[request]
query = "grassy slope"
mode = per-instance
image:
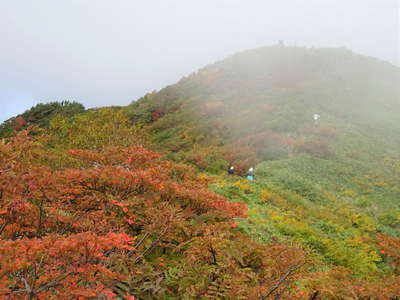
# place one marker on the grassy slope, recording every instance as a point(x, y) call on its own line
point(333, 204)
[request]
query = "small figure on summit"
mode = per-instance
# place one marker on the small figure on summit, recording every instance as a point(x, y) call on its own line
point(231, 170)
point(250, 174)
point(316, 118)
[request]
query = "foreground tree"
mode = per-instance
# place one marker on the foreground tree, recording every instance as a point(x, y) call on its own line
point(126, 223)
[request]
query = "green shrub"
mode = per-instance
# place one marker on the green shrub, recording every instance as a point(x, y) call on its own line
point(42, 113)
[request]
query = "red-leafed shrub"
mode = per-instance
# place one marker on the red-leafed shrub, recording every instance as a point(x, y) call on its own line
point(129, 223)
point(390, 247)
point(254, 148)
point(317, 148)
point(158, 112)
point(268, 108)
point(214, 108)
point(19, 123)
point(323, 132)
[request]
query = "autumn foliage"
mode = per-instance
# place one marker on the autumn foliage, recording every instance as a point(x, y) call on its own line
point(317, 148)
point(88, 211)
point(126, 224)
point(390, 248)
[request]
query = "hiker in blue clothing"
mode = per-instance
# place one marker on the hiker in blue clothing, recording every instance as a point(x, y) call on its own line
point(250, 174)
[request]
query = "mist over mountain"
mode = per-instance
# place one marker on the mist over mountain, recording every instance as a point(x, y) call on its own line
point(319, 218)
point(114, 53)
point(279, 89)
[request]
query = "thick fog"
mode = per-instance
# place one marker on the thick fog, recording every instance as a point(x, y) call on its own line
point(112, 52)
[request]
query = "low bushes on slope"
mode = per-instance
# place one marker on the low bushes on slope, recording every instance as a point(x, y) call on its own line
point(127, 224)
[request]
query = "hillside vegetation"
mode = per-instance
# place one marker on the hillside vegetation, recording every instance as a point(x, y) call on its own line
point(142, 190)
point(40, 115)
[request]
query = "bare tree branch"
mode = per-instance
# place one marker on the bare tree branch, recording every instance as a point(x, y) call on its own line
point(281, 281)
point(151, 247)
point(3, 226)
point(52, 283)
point(31, 293)
point(314, 296)
point(214, 255)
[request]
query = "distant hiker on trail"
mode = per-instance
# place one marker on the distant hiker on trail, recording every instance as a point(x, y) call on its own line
point(231, 170)
point(250, 174)
point(316, 118)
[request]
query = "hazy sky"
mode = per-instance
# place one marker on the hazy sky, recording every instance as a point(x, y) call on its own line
point(102, 52)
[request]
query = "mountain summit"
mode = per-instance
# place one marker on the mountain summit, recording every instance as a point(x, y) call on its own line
point(272, 93)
